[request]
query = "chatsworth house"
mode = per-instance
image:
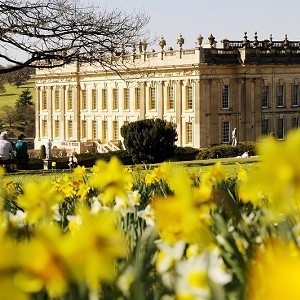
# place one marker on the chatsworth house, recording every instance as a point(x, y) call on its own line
point(252, 85)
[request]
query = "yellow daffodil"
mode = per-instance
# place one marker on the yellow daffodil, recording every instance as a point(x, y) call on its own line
point(111, 179)
point(39, 200)
point(43, 263)
point(274, 272)
point(93, 249)
point(278, 177)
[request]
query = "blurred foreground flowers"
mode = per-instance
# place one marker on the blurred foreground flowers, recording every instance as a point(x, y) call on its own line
point(162, 233)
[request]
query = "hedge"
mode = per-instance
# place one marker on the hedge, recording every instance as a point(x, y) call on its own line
point(223, 151)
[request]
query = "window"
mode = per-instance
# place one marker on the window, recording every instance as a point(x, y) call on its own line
point(295, 95)
point(115, 130)
point(265, 96)
point(56, 129)
point(44, 128)
point(265, 127)
point(115, 103)
point(295, 122)
point(189, 132)
point(44, 99)
point(280, 95)
point(94, 99)
point(83, 100)
point(171, 102)
point(280, 129)
point(137, 98)
point(56, 99)
point(70, 129)
point(152, 103)
point(83, 129)
point(225, 97)
point(225, 132)
point(104, 99)
point(94, 129)
point(104, 131)
point(126, 99)
point(189, 97)
point(70, 99)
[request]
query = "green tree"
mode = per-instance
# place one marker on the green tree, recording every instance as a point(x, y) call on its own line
point(25, 99)
point(25, 108)
point(149, 140)
point(8, 115)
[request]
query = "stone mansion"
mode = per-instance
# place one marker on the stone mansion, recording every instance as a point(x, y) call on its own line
point(251, 85)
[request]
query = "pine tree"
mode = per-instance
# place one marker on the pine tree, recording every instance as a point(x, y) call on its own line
point(25, 108)
point(25, 99)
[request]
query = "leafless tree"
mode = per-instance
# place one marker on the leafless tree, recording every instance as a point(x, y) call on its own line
point(51, 33)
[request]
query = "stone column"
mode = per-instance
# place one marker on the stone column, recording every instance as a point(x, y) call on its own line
point(160, 99)
point(142, 87)
point(50, 113)
point(199, 133)
point(37, 114)
point(62, 125)
point(178, 110)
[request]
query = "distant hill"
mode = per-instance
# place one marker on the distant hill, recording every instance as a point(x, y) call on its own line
point(12, 93)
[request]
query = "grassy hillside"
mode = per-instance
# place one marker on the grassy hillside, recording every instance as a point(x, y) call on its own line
point(12, 93)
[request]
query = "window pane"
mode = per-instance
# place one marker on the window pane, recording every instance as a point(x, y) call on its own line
point(44, 99)
point(94, 129)
point(295, 122)
point(137, 98)
point(265, 96)
point(189, 96)
point(70, 129)
point(94, 99)
point(152, 104)
point(104, 131)
point(280, 95)
point(56, 99)
point(295, 95)
point(126, 99)
point(115, 130)
point(70, 99)
point(280, 129)
point(265, 127)
point(104, 99)
point(44, 128)
point(189, 133)
point(225, 132)
point(56, 128)
point(115, 99)
point(171, 98)
point(83, 99)
point(225, 96)
point(83, 129)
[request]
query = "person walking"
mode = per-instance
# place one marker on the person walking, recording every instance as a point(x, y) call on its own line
point(22, 152)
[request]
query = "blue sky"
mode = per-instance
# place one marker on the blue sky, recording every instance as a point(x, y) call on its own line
point(222, 18)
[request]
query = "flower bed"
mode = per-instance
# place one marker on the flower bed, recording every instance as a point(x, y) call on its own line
point(166, 233)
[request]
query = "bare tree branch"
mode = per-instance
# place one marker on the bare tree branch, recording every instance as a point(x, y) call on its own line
point(51, 33)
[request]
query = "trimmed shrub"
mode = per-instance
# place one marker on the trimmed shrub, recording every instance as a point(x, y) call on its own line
point(150, 140)
point(185, 153)
point(42, 152)
point(84, 159)
point(223, 151)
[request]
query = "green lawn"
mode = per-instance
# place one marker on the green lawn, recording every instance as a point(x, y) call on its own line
point(12, 93)
point(231, 166)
